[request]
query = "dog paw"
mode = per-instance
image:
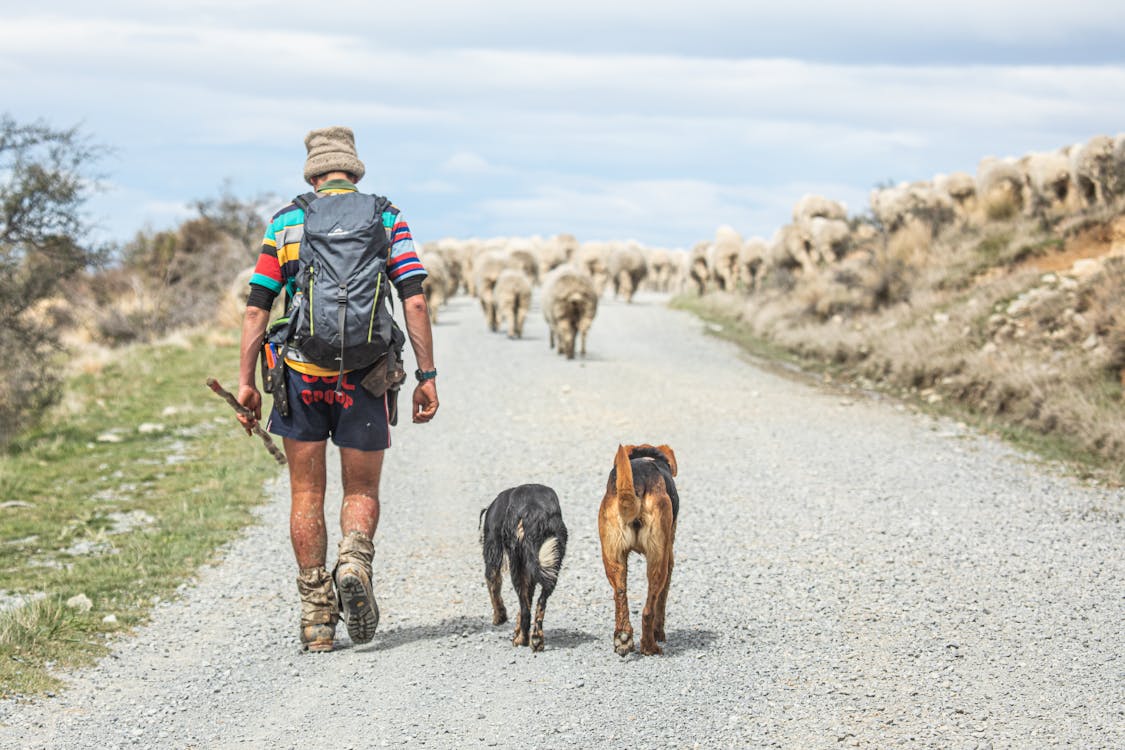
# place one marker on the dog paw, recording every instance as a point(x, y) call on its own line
point(500, 617)
point(623, 642)
point(519, 638)
point(536, 641)
point(658, 635)
point(649, 648)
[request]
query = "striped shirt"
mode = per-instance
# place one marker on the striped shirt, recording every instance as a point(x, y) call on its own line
point(278, 264)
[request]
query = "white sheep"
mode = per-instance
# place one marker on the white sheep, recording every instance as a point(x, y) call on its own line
point(661, 269)
point(556, 250)
point(570, 302)
point(722, 257)
point(750, 260)
point(1093, 170)
point(435, 286)
point(522, 258)
point(698, 271)
point(961, 190)
point(1047, 181)
point(512, 298)
point(593, 258)
point(811, 206)
point(829, 239)
point(896, 206)
point(627, 268)
point(487, 268)
point(790, 250)
point(1000, 187)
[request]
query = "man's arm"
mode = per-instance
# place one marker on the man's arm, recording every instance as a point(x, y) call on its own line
point(422, 340)
point(254, 324)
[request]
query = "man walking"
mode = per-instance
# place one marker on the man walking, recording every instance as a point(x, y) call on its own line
point(326, 402)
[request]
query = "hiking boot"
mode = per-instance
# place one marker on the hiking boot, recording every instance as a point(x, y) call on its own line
point(318, 609)
point(353, 586)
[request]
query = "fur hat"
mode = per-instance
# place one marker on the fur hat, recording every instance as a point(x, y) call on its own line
point(331, 150)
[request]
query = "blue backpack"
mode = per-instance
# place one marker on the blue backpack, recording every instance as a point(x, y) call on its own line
point(341, 315)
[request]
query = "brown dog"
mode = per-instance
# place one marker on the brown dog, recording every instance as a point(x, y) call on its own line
point(638, 514)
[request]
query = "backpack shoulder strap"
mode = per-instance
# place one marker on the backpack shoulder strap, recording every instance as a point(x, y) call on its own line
point(304, 199)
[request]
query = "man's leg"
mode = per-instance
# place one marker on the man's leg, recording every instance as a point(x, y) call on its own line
point(359, 516)
point(361, 471)
point(307, 477)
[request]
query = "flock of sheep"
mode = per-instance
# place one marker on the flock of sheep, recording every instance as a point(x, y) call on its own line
point(1046, 185)
point(501, 273)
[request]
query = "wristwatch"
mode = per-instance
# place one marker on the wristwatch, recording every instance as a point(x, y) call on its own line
point(423, 375)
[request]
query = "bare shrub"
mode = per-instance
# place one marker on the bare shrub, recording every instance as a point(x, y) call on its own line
point(44, 183)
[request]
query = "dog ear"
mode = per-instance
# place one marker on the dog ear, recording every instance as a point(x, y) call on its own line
point(628, 449)
point(667, 451)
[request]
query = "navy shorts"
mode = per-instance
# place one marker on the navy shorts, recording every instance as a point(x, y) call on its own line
point(354, 419)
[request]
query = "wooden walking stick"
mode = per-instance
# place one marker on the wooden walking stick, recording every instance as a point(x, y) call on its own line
point(240, 409)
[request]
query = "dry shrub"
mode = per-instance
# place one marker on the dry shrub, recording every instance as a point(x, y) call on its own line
point(911, 243)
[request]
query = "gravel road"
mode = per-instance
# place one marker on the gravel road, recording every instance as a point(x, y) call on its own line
point(848, 574)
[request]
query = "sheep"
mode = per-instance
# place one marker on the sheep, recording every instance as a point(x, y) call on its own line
point(592, 258)
point(722, 258)
point(627, 268)
point(1047, 182)
point(961, 190)
point(750, 260)
point(896, 206)
point(1000, 187)
point(452, 254)
point(435, 286)
point(470, 250)
point(512, 296)
point(1118, 182)
point(522, 258)
point(570, 302)
point(556, 251)
point(661, 268)
point(790, 250)
point(698, 272)
point(1093, 171)
point(811, 206)
point(830, 239)
point(487, 269)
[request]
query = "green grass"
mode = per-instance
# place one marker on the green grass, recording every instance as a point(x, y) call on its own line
point(192, 482)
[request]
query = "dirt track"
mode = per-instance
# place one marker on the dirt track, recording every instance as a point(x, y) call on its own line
point(848, 574)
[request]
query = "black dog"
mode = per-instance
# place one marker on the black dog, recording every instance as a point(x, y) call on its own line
point(525, 523)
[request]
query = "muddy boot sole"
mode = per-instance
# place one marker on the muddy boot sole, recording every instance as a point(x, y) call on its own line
point(359, 610)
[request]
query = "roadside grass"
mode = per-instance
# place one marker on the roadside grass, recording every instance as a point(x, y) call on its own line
point(123, 491)
point(1067, 451)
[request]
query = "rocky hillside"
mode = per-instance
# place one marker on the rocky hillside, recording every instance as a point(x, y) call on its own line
point(1001, 292)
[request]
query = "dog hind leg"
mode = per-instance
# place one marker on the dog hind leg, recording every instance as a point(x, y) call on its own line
point(525, 589)
point(658, 558)
point(540, 608)
point(661, 604)
point(493, 564)
point(617, 571)
point(499, 612)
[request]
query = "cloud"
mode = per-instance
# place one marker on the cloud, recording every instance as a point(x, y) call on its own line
point(466, 163)
point(550, 120)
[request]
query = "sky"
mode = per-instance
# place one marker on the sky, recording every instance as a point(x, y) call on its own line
point(655, 121)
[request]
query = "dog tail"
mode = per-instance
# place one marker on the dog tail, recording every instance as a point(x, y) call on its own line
point(626, 494)
point(550, 558)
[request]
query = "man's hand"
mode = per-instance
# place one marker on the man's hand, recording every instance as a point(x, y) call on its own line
point(425, 401)
point(250, 398)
